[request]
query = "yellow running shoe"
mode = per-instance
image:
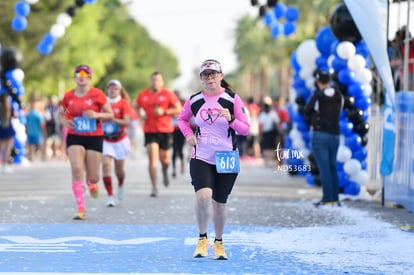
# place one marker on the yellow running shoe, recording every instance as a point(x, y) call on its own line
point(219, 253)
point(202, 247)
point(79, 216)
point(93, 190)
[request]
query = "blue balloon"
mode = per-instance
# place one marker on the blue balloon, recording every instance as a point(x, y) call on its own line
point(352, 188)
point(334, 45)
point(363, 102)
point(276, 30)
point(356, 89)
point(90, 1)
point(292, 14)
point(346, 127)
point(294, 62)
point(360, 154)
point(362, 49)
point(268, 18)
point(19, 23)
point(303, 93)
point(365, 115)
point(324, 39)
point(289, 28)
point(280, 10)
point(49, 39)
point(338, 64)
point(22, 8)
point(346, 76)
point(343, 178)
point(302, 126)
point(44, 48)
point(321, 62)
point(353, 141)
point(364, 165)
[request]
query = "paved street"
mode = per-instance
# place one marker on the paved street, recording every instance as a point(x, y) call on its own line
point(272, 228)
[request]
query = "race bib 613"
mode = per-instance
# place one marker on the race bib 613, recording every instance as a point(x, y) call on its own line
point(227, 161)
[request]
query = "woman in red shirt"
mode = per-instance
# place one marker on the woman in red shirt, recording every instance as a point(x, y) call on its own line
point(82, 111)
point(116, 146)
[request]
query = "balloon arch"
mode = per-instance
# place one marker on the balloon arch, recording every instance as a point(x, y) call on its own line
point(338, 48)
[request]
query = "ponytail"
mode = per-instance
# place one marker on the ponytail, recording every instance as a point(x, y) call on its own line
point(226, 85)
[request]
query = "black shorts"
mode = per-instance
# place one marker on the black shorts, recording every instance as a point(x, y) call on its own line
point(205, 175)
point(94, 143)
point(164, 140)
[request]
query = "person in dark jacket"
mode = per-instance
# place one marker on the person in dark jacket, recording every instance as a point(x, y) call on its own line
point(322, 113)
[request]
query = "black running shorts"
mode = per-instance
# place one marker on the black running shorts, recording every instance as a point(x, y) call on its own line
point(204, 175)
point(94, 143)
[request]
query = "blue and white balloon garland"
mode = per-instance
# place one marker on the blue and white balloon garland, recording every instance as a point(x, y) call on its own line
point(350, 64)
point(11, 83)
point(57, 30)
point(22, 10)
point(279, 18)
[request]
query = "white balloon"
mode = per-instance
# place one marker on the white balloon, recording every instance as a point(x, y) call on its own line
point(306, 54)
point(344, 154)
point(57, 30)
point(367, 89)
point(345, 50)
point(305, 73)
point(298, 143)
point(294, 133)
point(352, 167)
point(364, 76)
point(357, 63)
point(21, 137)
point(361, 177)
point(330, 60)
point(64, 19)
point(310, 83)
point(341, 140)
point(31, 2)
point(18, 74)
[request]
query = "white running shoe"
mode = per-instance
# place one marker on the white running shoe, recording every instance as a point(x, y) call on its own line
point(120, 193)
point(110, 202)
point(7, 169)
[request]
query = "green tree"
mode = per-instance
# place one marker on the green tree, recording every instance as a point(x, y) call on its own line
point(102, 35)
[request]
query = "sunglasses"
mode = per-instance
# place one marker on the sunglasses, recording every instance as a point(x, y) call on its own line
point(81, 73)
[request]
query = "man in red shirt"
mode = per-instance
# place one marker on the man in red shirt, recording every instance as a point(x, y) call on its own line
point(156, 106)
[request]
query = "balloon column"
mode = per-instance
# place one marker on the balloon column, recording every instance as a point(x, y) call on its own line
point(19, 22)
point(11, 83)
point(279, 18)
point(57, 30)
point(338, 48)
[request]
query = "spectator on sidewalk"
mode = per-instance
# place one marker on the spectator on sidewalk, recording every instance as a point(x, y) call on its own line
point(322, 112)
point(36, 130)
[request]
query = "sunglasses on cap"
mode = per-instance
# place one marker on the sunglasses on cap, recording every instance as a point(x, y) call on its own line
point(82, 73)
point(84, 68)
